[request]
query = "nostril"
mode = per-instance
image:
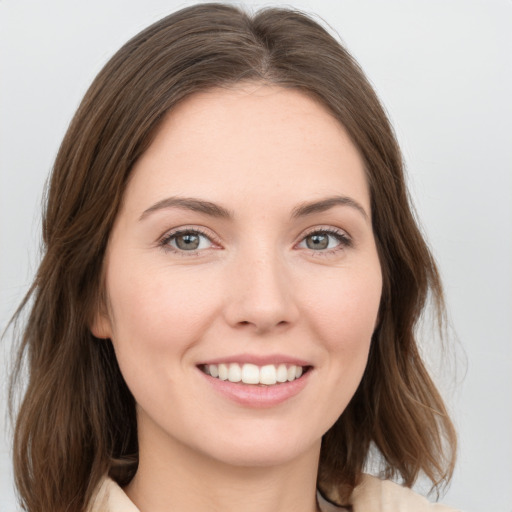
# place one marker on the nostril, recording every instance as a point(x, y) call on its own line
point(281, 323)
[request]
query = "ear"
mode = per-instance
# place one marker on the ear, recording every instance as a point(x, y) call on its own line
point(101, 326)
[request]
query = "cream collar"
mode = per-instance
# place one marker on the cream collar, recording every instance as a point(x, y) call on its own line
point(372, 495)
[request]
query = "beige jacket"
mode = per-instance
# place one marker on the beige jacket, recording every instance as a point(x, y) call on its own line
point(372, 495)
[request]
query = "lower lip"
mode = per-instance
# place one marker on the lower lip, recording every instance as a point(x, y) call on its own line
point(258, 396)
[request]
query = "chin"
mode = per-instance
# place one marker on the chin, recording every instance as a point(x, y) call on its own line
point(264, 447)
point(257, 458)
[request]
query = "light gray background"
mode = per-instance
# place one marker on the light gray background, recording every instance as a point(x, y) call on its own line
point(442, 69)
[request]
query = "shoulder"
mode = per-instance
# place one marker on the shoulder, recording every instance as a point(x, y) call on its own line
point(371, 495)
point(375, 495)
point(109, 497)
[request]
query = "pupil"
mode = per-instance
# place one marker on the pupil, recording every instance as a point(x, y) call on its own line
point(317, 242)
point(187, 242)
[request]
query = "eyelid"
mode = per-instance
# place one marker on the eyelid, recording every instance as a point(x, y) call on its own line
point(345, 240)
point(325, 228)
point(163, 241)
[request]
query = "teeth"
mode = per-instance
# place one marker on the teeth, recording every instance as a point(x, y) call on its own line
point(223, 371)
point(282, 373)
point(267, 375)
point(235, 373)
point(250, 374)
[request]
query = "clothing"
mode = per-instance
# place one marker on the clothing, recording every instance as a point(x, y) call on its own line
point(372, 495)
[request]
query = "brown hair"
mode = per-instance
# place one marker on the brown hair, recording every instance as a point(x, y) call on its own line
point(77, 419)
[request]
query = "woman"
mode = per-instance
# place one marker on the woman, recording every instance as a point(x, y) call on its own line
point(231, 281)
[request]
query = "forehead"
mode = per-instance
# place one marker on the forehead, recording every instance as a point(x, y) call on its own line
point(233, 142)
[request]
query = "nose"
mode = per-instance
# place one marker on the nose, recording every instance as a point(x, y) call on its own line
point(260, 294)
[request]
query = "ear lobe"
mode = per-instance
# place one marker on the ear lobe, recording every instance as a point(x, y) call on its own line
point(100, 326)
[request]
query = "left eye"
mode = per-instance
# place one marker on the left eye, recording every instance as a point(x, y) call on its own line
point(322, 240)
point(188, 241)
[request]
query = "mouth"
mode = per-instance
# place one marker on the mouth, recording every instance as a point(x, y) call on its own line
point(252, 374)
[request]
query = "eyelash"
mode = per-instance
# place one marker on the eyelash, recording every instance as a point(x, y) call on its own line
point(167, 238)
point(344, 240)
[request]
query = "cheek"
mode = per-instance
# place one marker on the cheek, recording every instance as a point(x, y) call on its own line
point(154, 314)
point(156, 318)
point(347, 303)
point(344, 312)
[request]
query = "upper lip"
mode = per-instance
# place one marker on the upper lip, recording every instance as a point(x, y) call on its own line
point(258, 360)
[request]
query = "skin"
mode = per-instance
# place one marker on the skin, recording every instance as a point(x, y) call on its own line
point(254, 286)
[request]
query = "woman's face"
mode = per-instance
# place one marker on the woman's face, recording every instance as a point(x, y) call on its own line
point(243, 250)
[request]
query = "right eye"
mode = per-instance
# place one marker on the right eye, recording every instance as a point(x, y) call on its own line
point(188, 240)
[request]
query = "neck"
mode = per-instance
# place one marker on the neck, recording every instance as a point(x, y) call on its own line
point(174, 477)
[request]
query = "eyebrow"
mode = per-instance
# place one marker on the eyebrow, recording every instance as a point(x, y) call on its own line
point(189, 203)
point(323, 205)
point(215, 210)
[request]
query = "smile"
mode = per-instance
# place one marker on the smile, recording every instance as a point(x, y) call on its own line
point(247, 373)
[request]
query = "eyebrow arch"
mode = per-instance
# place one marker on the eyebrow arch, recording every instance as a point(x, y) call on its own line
point(323, 205)
point(189, 203)
point(215, 210)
